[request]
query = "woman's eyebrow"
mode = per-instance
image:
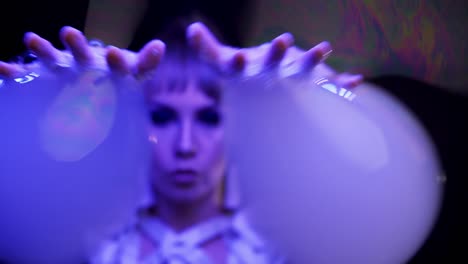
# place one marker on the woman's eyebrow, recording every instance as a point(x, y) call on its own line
point(154, 105)
point(209, 106)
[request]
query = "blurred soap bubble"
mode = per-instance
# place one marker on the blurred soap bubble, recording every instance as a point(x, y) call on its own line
point(73, 160)
point(330, 175)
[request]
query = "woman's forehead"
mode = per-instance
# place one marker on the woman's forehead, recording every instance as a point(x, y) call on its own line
point(185, 85)
point(185, 76)
point(190, 96)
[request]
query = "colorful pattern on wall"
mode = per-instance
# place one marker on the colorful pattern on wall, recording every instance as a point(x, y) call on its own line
point(421, 39)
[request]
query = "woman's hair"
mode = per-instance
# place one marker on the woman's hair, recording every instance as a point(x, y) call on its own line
point(229, 19)
point(181, 65)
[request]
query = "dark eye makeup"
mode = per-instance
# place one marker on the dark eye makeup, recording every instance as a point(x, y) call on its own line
point(209, 116)
point(163, 115)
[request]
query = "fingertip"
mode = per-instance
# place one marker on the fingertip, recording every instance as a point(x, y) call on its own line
point(313, 57)
point(195, 28)
point(112, 52)
point(326, 44)
point(116, 60)
point(356, 80)
point(29, 36)
point(35, 42)
point(200, 37)
point(40, 47)
point(359, 77)
point(64, 31)
point(32, 41)
point(278, 50)
point(149, 58)
point(285, 38)
point(3, 68)
point(326, 49)
point(68, 29)
point(152, 53)
point(238, 62)
point(348, 80)
point(316, 55)
point(158, 42)
point(8, 70)
point(194, 34)
point(157, 47)
point(280, 46)
point(70, 35)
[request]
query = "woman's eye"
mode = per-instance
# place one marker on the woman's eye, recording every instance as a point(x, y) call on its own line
point(210, 117)
point(162, 117)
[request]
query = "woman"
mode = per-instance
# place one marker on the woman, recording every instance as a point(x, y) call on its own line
point(189, 221)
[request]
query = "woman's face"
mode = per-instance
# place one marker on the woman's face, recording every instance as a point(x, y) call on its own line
point(188, 149)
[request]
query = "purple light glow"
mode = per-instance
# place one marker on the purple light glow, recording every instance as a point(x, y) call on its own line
point(331, 180)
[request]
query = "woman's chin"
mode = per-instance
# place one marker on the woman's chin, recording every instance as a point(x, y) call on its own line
point(183, 194)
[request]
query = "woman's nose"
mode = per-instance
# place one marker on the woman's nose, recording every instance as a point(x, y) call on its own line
point(185, 145)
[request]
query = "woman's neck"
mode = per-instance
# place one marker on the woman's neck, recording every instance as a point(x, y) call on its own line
point(180, 216)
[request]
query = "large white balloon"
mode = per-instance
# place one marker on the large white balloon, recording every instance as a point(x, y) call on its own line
point(329, 175)
point(73, 156)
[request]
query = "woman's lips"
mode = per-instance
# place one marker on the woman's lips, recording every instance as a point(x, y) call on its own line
point(184, 176)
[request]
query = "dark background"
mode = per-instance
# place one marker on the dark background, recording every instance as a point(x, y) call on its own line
point(443, 112)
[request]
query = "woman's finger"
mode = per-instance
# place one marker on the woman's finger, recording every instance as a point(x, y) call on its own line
point(348, 80)
point(118, 61)
point(203, 41)
point(277, 50)
point(77, 43)
point(10, 70)
point(149, 58)
point(314, 56)
point(43, 49)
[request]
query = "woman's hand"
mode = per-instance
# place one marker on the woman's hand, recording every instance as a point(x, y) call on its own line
point(278, 55)
point(79, 54)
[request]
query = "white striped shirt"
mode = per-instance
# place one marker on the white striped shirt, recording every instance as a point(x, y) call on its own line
point(243, 245)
